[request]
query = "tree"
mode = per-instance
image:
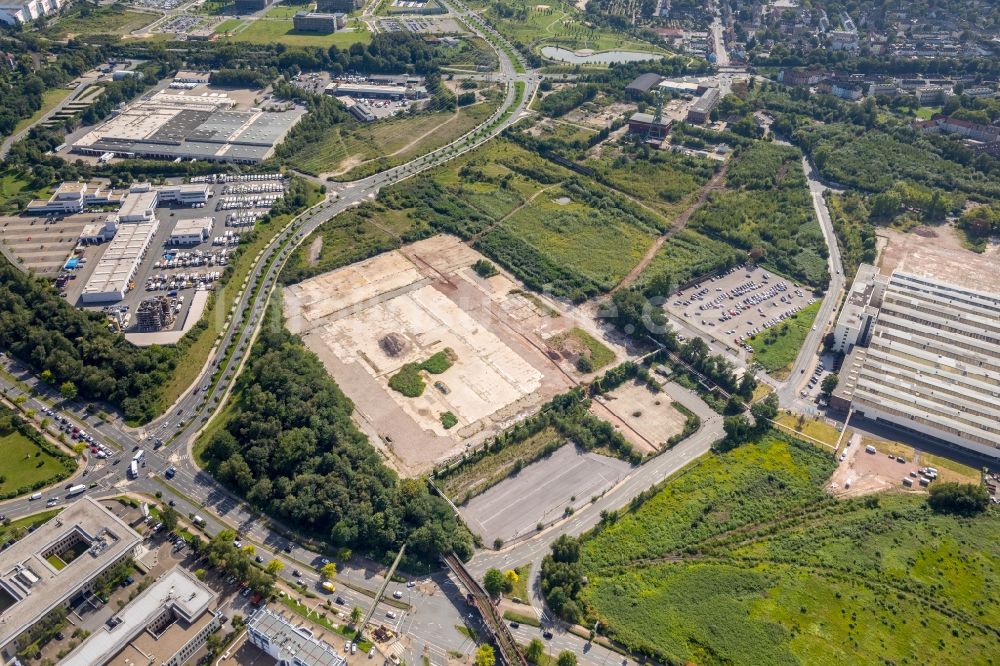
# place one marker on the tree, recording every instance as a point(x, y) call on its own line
point(829, 383)
point(485, 656)
point(510, 579)
point(566, 658)
point(329, 571)
point(964, 499)
point(250, 549)
point(275, 566)
point(493, 582)
point(533, 653)
point(200, 574)
point(764, 411)
point(68, 390)
point(738, 431)
point(355, 616)
point(168, 516)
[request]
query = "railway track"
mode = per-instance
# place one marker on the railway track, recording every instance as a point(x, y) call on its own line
point(476, 595)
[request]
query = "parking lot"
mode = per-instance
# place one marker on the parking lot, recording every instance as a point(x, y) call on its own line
point(739, 304)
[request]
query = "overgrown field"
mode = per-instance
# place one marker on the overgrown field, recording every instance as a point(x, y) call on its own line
point(270, 31)
point(768, 212)
point(662, 179)
point(688, 255)
point(743, 559)
point(346, 151)
point(114, 20)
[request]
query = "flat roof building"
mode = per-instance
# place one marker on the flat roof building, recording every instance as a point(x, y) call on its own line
point(187, 76)
point(930, 364)
point(191, 232)
point(346, 6)
point(112, 277)
point(702, 108)
point(19, 12)
point(289, 644)
point(643, 123)
point(59, 560)
point(138, 207)
point(166, 624)
point(318, 22)
point(367, 91)
point(172, 124)
point(642, 84)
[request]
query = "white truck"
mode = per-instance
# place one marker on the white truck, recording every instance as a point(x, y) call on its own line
point(76, 490)
point(133, 469)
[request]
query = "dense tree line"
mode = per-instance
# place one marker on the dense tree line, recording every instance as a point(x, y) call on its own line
point(244, 77)
point(22, 85)
point(563, 101)
point(963, 499)
point(293, 451)
point(42, 330)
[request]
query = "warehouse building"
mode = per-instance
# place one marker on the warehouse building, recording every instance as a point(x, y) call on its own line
point(318, 22)
point(288, 643)
point(114, 274)
point(642, 84)
point(173, 125)
point(166, 624)
point(185, 194)
point(702, 108)
point(186, 76)
point(368, 91)
point(191, 232)
point(925, 358)
point(57, 563)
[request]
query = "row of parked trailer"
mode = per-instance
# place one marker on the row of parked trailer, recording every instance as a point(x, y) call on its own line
point(243, 218)
point(254, 188)
point(229, 239)
point(173, 283)
point(247, 201)
point(194, 259)
point(236, 178)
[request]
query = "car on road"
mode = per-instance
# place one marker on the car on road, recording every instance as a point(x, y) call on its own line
point(391, 615)
point(296, 573)
point(258, 559)
point(547, 634)
point(515, 625)
point(340, 600)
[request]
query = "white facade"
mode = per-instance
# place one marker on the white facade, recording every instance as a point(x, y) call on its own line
point(188, 193)
point(931, 365)
point(288, 643)
point(138, 207)
point(116, 269)
point(854, 323)
point(191, 232)
point(18, 13)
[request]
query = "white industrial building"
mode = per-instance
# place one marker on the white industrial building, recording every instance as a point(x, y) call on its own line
point(115, 272)
point(85, 539)
point(185, 194)
point(138, 207)
point(72, 197)
point(187, 76)
point(166, 624)
point(923, 356)
point(19, 13)
point(191, 232)
point(288, 643)
point(99, 232)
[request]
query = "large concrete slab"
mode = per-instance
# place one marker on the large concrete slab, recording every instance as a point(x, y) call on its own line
point(541, 492)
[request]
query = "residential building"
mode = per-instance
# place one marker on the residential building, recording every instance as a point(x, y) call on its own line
point(289, 644)
point(883, 89)
point(843, 40)
point(930, 95)
point(166, 624)
point(801, 77)
point(928, 362)
point(57, 563)
point(701, 110)
point(845, 91)
point(979, 91)
point(19, 12)
point(318, 22)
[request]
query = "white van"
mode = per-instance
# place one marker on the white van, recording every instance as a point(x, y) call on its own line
point(36, 496)
point(870, 449)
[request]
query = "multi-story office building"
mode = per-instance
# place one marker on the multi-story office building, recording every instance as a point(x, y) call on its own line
point(289, 644)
